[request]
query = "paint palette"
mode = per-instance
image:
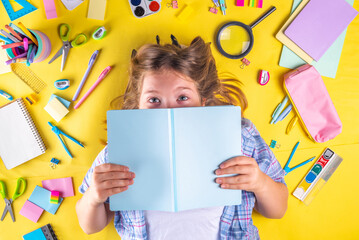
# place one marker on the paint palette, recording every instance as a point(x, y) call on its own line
point(143, 8)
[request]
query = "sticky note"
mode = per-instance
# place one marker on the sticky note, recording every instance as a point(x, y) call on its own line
point(97, 9)
point(3, 58)
point(62, 100)
point(50, 9)
point(63, 185)
point(56, 109)
point(40, 196)
point(31, 211)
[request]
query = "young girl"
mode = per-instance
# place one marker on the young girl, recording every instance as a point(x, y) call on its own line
point(172, 76)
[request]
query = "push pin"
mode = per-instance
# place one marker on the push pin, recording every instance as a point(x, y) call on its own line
point(213, 10)
point(274, 144)
point(245, 63)
point(54, 162)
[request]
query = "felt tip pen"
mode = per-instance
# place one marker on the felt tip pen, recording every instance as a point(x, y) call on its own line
point(284, 113)
point(100, 78)
point(90, 65)
point(6, 95)
point(279, 109)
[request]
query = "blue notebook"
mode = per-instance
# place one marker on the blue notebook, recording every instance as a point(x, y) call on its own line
point(174, 153)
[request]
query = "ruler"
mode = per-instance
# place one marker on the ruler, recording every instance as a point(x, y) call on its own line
point(27, 8)
point(28, 77)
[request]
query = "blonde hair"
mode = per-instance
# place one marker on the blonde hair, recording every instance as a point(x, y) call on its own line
point(195, 62)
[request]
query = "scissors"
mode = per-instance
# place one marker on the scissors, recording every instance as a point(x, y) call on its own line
point(64, 32)
point(287, 169)
point(8, 203)
point(58, 132)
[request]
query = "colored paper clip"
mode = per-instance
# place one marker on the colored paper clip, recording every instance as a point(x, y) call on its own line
point(173, 4)
point(213, 10)
point(245, 62)
point(54, 162)
point(287, 169)
point(273, 144)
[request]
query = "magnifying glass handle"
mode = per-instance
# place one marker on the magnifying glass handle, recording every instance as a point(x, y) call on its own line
point(263, 17)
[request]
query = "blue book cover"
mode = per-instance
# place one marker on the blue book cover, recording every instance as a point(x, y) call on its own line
point(174, 153)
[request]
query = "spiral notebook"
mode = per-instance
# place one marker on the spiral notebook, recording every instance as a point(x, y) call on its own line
point(20, 140)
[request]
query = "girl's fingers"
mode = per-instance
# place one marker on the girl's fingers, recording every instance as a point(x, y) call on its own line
point(236, 169)
point(106, 176)
point(109, 167)
point(112, 191)
point(233, 180)
point(242, 186)
point(115, 184)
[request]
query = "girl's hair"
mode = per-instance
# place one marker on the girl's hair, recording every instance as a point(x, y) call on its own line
point(195, 62)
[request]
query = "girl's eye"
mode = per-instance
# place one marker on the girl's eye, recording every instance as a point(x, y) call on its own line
point(183, 98)
point(154, 100)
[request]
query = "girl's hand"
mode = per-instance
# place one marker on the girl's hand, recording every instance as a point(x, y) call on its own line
point(109, 179)
point(250, 177)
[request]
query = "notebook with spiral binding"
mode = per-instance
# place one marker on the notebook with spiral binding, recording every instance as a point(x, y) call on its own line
point(20, 140)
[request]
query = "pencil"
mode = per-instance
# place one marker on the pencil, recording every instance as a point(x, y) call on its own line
point(24, 29)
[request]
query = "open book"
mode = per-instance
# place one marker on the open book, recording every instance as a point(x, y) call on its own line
point(174, 153)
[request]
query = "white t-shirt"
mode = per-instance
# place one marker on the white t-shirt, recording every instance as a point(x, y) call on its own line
point(196, 224)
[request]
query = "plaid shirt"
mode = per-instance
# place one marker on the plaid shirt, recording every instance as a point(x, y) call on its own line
point(236, 221)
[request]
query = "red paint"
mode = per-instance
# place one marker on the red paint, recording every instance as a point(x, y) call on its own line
point(154, 6)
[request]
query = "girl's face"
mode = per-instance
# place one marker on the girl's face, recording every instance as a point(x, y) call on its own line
point(168, 89)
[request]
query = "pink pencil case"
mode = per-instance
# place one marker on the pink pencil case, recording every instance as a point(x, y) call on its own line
point(312, 103)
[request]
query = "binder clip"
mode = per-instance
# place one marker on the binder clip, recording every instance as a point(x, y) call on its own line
point(173, 4)
point(54, 162)
point(213, 10)
point(245, 62)
point(274, 144)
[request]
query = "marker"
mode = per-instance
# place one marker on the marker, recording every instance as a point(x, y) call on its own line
point(24, 29)
point(100, 78)
point(279, 109)
point(284, 113)
point(6, 95)
point(223, 6)
point(89, 67)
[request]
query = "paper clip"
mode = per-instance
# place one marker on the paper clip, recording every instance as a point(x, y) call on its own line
point(273, 144)
point(213, 10)
point(54, 162)
point(173, 4)
point(245, 62)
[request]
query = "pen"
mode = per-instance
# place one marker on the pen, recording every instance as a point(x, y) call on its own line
point(11, 30)
point(223, 6)
point(291, 124)
point(284, 113)
point(100, 78)
point(6, 95)
point(216, 3)
point(16, 28)
point(279, 109)
point(6, 40)
point(27, 33)
point(12, 38)
point(91, 63)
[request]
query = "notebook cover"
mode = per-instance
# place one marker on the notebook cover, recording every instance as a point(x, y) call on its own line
point(327, 66)
point(319, 24)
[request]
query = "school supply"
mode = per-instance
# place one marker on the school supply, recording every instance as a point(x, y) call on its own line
point(53, 163)
point(55, 196)
point(28, 77)
point(216, 3)
point(279, 109)
point(312, 103)
point(291, 124)
point(58, 132)
point(99, 33)
point(40, 197)
point(3, 67)
point(263, 77)
point(245, 63)
point(27, 8)
point(62, 84)
point(240, 3)
point(285, 113)
point(26, 31)
point(143, 8)
point(62, 100)
point(20, 141)
point(274, 144)
point(50, 9)
point(222, 4)
point(317, 176)
point(19, 190)
point(100, 78)
point(287, 169)
point(71, 4)
point(234, 39)
point(63, 185)
point(213, 10)
point(44, 233)
point(89, 67)
point(31, 211)
point(319, 24)
point(174, 153)
point(6, 95)
point(97, 9)
point(64, 32)
point(56, 109)
point(31, 99)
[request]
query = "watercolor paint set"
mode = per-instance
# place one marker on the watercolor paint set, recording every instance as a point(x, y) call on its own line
point(143, 8)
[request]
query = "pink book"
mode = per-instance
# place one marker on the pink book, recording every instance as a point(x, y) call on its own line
point(319, 24)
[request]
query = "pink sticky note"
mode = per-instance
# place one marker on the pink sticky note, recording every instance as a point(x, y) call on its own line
point(31, 211)
point(240, 3)
point(63, 185)
point(50, 9)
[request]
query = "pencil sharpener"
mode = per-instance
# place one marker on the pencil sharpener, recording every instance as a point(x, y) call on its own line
point(62, 84)
point(263, 77)
point(99, 33)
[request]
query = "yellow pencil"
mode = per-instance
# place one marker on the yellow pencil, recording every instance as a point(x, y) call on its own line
point(24, 29)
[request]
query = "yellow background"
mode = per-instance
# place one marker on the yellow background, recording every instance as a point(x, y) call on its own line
point(332, 214)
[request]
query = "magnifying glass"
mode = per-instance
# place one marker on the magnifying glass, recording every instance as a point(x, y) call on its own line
point(235, 39)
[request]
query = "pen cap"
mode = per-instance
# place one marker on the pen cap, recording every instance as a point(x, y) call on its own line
point(43, 48)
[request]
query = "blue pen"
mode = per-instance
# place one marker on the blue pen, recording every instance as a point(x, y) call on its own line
point(216, 3)
point(91, 63)
point(6, 40)
point(17, 29)
point(279, 109)
point(223, 6)
point(284, 113)
point(6, 95)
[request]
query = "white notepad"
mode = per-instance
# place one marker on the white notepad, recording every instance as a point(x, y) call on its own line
point(20, 141)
